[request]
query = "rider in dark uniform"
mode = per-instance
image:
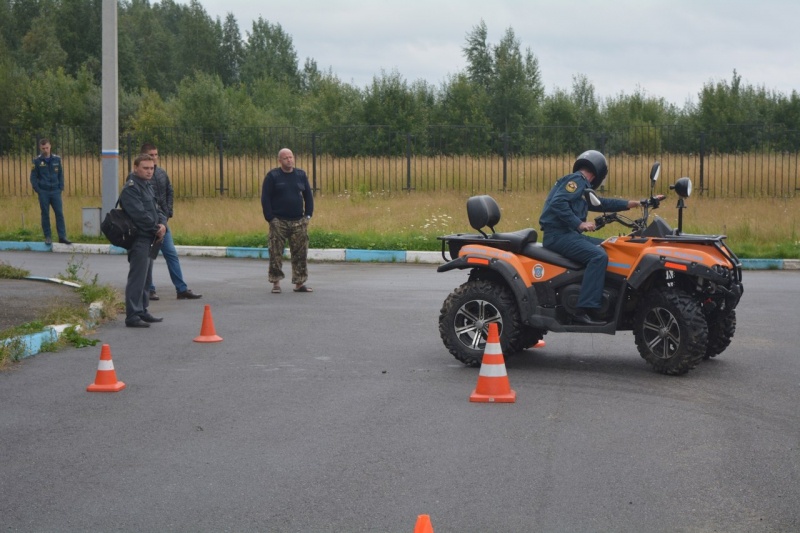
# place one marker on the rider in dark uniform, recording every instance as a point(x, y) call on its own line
point(139, 202)
point(563, 221)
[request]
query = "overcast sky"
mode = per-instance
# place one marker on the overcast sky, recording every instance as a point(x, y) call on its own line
point(667, 49)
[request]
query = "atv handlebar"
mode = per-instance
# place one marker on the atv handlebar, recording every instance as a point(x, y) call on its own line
point(637, 225)
point(653, 201)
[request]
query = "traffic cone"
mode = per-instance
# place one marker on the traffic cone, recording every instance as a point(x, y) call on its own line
point(423, 524)
point(539, 344)
point(493, 385)
point(207, 331)
point(106, 378)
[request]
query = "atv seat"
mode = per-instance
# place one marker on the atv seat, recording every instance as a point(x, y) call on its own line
point(537, 251)
point(483, 211)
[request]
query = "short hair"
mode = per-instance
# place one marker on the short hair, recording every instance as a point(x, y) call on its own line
point(43, 141)
point(146, 147)
point(142, 157)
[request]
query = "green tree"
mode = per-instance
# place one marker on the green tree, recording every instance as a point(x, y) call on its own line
point(277, 100)
point(151, 113)
point(147, 47)
point(13, 83)
point(198, 42)
point(53, 98)
point(480, 66)
point(269, 53)
point(329, 103)
point(461, 102)
point(201, 103)
point(80, 34)
point(40, 49)
point(389, 101)
point(231, 51)
point(509, 76)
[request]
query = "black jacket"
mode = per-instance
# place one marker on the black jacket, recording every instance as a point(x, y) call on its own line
point(137, 199)
point(163, 191)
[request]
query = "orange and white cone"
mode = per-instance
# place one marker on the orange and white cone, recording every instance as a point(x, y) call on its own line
point(493, 385)
point(106, 378)
point(207, 331)
point(539, 344)
point(423, 524)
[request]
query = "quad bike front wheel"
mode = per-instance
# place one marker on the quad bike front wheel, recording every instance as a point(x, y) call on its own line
point(465, 317)
point(670, 331)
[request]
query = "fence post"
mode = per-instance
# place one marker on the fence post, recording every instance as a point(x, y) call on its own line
point(221, 167)
point(314, 162)
point(408, 162)
point(702, 160)
point(505, 160)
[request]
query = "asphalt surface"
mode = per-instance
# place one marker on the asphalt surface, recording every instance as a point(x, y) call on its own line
point(342, 411)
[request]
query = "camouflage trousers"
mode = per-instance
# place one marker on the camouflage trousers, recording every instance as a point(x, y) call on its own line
point(296, 232)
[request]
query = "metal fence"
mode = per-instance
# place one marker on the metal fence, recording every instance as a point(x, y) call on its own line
point(734, 161)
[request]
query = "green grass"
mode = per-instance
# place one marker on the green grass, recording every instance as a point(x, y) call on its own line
point(90, 291)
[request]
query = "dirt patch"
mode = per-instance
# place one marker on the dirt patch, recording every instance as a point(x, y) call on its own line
point(23, 300)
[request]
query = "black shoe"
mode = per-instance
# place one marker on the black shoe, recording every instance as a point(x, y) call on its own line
point(48, 241)
point(586, 320)
point(188, 295)
point(64, 241)
point(137, 324)
point(150, 318)
point(154, 296)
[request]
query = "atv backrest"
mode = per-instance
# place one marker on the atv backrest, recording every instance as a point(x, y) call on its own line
point(483, 211)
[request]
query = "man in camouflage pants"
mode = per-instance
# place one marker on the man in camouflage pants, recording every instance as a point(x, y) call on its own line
point(288, 204)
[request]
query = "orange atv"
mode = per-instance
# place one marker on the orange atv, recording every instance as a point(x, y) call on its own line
point(677, 293)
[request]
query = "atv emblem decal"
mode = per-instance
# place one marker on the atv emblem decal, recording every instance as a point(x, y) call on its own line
point(572, 186)
point(538, 271)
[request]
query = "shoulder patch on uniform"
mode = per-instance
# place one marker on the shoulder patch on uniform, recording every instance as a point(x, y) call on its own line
point(571, 186)
point(129, 183)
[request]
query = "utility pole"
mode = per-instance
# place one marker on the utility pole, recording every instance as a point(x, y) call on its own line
point(109, 151)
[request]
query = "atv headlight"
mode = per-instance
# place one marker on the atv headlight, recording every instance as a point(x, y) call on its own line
point(683, 187)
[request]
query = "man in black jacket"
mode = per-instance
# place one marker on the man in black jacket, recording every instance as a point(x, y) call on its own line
point(139, 202)
point(164, 196)
point(288, 204)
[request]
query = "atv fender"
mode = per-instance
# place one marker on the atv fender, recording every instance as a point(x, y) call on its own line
point(651, 263)
point(506, 268)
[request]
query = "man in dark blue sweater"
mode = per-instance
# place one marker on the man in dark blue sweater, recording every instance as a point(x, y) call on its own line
point(288, 204)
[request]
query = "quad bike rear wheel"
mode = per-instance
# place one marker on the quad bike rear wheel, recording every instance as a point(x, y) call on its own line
point(721, 327)
point(670, 331)
point(465, 317)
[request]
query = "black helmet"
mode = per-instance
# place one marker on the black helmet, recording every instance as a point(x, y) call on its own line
point(596, 163)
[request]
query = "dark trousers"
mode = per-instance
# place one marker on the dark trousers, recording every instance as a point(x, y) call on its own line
point(140, 276)
point(46, 200)
point(585, 250)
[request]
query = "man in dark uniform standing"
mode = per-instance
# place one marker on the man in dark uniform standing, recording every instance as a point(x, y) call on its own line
point(563, 221)
point(288, 204)
point(138, 201)
point(47, 179)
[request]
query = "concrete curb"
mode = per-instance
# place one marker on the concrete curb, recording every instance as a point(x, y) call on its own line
point(316, 254)
point(31, 344)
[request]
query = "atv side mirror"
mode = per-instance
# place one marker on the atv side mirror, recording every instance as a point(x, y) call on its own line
point(592, 198)
point(655, 172)
point(683, 187)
